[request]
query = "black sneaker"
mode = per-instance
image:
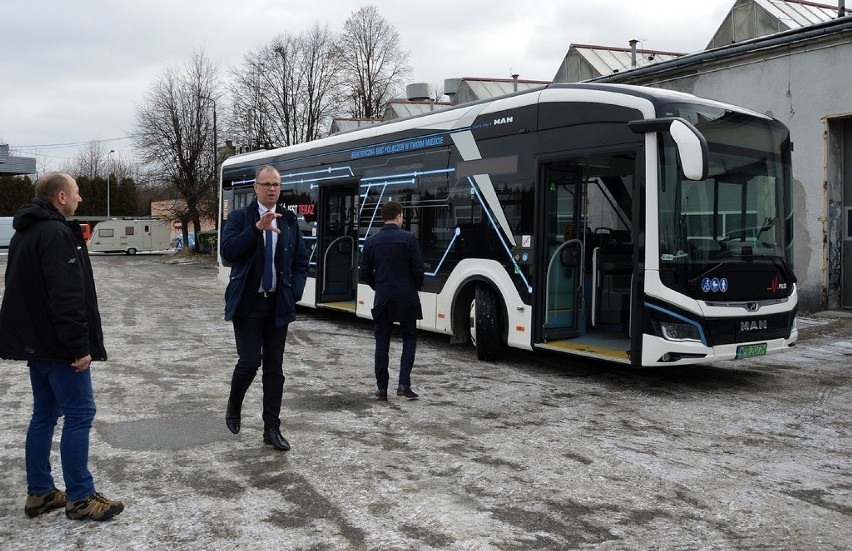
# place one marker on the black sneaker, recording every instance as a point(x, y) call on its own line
point(37, 505)
point(95, 507)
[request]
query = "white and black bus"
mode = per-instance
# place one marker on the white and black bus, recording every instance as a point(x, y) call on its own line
point(628, 224)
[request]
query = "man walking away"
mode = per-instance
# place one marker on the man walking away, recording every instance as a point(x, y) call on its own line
point(392, 265)
point(50, 319)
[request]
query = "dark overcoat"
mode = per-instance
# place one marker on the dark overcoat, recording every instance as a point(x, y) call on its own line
point(242, 245)
point(392, 265)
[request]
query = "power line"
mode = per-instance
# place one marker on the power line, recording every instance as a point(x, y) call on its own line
point(71, 144)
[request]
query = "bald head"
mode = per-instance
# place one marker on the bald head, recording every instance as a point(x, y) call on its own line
point(50, 184)
point(60, 189)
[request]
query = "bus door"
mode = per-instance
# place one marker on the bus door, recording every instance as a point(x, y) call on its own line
point(337, 246)
point(562, 303)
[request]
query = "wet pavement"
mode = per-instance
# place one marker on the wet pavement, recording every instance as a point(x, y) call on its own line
point(537, 451)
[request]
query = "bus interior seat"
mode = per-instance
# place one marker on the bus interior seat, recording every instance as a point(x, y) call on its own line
point(621, 237)
point(614, 266)
point(603, 236)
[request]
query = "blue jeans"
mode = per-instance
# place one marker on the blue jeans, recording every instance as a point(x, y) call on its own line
point(58, 390)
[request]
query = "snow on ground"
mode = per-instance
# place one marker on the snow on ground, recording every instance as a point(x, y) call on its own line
point(533, 452)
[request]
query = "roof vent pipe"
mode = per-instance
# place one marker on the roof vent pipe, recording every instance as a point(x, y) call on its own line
point(451, 88)
point(515, 82)
point(417, 91)
point(633, 53)
point(841, 8)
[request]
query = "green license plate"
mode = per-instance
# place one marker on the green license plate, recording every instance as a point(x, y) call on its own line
point(751, 350)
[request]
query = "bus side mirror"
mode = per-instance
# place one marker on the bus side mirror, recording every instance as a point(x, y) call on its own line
point(691, 146)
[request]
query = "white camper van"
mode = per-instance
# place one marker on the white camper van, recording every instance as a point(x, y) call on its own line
point(6, 231)
point(129, 236)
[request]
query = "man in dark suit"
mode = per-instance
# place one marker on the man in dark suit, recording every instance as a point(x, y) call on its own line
point(270, 266)
point(392, 265)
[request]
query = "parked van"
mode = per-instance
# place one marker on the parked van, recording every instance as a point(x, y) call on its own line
point(6, 231)
point(129, 236)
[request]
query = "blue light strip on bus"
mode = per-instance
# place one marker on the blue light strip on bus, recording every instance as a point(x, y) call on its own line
point(681, 318)
point(385, 183)
point(375, 210)
point(499, 234)
point(323, 171)
point(450, 246)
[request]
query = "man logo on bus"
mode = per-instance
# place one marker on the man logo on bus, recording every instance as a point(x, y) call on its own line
point(504, 120)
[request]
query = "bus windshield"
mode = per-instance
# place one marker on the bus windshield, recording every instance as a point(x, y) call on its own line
point(741, 213)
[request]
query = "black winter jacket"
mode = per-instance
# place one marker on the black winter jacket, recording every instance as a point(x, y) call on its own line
point(50, 308)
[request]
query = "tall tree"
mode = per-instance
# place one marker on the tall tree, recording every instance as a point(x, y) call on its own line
point(94, 165)
point(14, 192)
point(286, 92)
point(374, 64)
point(174, 133)
point(91, 161)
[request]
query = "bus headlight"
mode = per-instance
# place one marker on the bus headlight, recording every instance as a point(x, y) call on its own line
point(672, 331)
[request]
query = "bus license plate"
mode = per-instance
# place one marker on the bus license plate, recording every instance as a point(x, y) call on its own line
point(751, 350)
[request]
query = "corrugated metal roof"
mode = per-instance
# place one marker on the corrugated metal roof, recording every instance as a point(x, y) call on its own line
point(14, 166)
point(400, 108)
point(750, 19)
point(607, 60)
point(491, 88)
point(346, 124)
point(796, 14)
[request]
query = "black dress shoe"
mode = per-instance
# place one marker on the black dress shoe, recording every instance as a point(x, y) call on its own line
point(273, 438)
point(232, 419)
point(407, 392)
point(382, 395)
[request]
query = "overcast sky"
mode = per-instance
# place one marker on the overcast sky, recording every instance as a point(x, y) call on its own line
point(76, 70)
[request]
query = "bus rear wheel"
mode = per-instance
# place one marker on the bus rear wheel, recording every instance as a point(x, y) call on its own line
point(131, 250)
point(485, 324)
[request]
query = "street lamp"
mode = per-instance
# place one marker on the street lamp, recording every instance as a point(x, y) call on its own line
point(111, 151)
point(215, 137)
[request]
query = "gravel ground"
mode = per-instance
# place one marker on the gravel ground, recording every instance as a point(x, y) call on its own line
point(537, 451)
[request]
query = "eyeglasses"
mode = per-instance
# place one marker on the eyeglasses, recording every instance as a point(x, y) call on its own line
point(268, 185)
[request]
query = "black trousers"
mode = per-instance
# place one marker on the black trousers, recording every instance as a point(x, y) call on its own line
point(260, 343)
point(384, 328)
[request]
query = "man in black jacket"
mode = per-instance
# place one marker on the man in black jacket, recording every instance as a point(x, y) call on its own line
point(50, 319)
point(270, 267)
point(392, 265)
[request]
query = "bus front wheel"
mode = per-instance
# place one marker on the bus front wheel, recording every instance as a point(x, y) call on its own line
point(485, 324)
point(131, 250)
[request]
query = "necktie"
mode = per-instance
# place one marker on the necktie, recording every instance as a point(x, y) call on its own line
point(268, 261)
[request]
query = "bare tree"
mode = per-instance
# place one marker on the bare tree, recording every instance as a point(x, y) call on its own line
point(174, 134)
point(248, 121)
point(96, 160)
point(91, 161)
point(374, 63)
point(287, 91)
